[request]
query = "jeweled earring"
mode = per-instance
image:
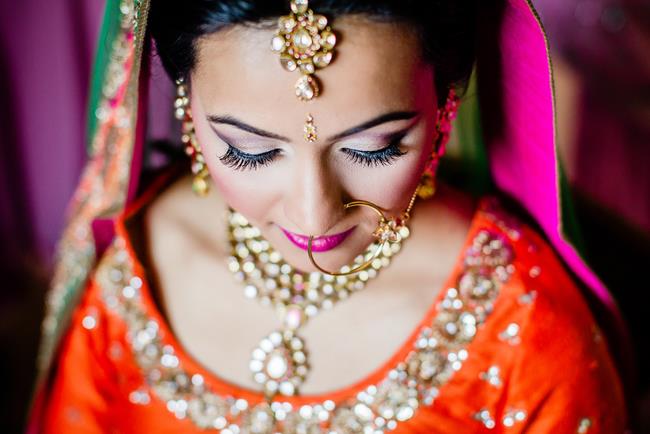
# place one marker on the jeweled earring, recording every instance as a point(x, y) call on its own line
point(443, 130)
point(183, 113)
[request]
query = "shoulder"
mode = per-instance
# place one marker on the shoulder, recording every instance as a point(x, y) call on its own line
point(561, 368)
point(552, 309)
point(538, 275)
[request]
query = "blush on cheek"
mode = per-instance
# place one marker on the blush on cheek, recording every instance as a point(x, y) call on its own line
point(242, 191)
point(393, 190)
point(395, 195)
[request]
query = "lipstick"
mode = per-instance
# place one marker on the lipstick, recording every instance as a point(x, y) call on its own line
point(321, 243)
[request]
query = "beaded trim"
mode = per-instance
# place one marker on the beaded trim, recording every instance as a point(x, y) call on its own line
point(103, 184)
point(438, 352)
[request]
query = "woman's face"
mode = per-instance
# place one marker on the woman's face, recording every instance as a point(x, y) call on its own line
point(375, 121)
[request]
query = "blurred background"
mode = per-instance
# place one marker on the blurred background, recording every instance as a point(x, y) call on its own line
point(601, 61)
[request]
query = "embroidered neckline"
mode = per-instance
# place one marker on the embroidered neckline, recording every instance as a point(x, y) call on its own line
point(439, 350)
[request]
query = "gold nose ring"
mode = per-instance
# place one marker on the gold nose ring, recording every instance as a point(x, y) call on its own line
point(389, 230)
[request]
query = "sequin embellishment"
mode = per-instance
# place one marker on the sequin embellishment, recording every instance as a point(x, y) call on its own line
point(514, 416)
point(439, 351)
point(584, 425)
point(484, 416)
point(492, 376)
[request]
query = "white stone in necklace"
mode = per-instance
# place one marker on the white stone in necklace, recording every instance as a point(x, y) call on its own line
point(280, 361)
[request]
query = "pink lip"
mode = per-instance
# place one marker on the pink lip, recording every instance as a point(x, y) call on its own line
point(322, 243)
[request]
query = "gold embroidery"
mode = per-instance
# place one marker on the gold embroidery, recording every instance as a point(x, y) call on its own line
point(439, 351)
point(102, 187)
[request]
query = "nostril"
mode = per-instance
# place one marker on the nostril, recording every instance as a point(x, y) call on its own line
point(315, 217)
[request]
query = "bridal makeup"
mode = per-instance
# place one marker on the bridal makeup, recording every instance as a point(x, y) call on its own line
point(321, 243)
point(289, 166)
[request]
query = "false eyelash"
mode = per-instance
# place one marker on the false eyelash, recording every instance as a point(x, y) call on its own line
point(240, 160)
point(382, 156)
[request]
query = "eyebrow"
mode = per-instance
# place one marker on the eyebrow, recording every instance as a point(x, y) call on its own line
point(381, 119)
point(230, 120)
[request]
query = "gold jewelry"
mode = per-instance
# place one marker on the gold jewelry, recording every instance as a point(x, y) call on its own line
point(443, 130)
point(280, 361)
point(310, 129)
point(428, 179)
point(427, 185)
point(444, 122)
point(305, 42)
point(414, 381)
point(389, 230)
point(183, 113)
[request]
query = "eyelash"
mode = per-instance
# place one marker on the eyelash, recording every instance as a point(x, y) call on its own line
point(239, 160)
point(384, 156)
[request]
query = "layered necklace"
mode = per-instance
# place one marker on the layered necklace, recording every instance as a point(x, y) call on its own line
point(280, 361)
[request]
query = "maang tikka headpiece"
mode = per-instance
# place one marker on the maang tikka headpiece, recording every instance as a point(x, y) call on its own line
point(305, 43)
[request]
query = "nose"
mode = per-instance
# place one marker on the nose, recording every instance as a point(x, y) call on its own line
point(314, 199)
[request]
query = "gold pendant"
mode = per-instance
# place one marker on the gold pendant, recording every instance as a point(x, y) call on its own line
point(279, 363)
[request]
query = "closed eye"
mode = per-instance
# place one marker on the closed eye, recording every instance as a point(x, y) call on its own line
point(240, 160)
point(384, 156)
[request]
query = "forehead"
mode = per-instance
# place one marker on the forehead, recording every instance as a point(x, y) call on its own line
point(376, 65)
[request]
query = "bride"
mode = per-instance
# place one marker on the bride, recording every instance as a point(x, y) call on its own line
point(309, 264)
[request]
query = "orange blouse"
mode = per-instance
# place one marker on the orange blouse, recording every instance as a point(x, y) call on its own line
point(508, 346)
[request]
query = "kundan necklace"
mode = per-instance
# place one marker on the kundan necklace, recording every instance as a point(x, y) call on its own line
point(280, 361)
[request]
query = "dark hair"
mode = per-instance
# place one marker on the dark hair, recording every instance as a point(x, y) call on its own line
point(446, 28)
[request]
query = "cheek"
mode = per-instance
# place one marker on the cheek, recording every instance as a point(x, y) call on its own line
point(389, 187)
